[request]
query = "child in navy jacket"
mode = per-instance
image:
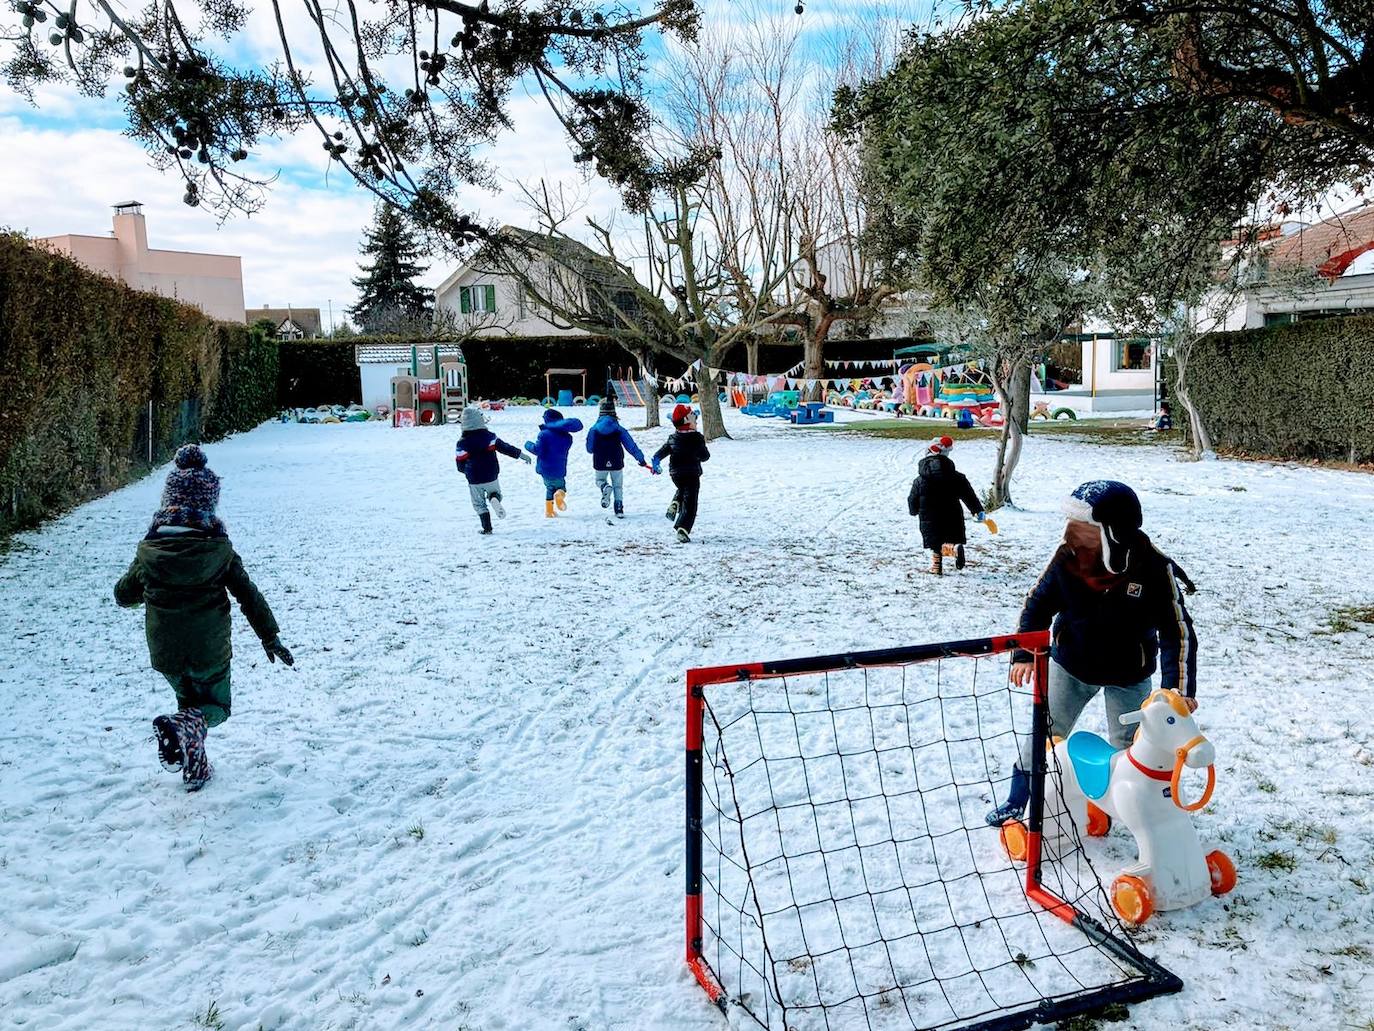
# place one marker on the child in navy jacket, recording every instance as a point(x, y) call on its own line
point(607, 442)
point(476, 459)
point(685, 451)
point(551, 447)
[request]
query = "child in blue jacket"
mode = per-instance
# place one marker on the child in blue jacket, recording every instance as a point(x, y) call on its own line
point(551, 447)
point(476, 459)
point(607, 442)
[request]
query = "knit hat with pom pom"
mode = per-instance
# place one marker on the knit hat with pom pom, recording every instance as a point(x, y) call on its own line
point(191, 493)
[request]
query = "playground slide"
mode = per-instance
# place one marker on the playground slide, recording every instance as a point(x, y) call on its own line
point(628, 393)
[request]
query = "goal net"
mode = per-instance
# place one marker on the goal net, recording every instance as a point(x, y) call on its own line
point(840, 872)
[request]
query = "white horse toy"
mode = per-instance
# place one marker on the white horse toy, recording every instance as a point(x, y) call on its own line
point(1140, 786)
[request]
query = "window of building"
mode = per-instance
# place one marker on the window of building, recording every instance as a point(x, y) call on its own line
point(1132, 355)
point(480, 297)
point(1277, 318)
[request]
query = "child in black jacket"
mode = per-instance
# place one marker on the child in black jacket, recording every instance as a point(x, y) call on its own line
point(935, 496)
point(476, 459)
point(1116, 605)
point(685, 451)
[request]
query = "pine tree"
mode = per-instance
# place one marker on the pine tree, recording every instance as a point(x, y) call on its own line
point(389, 301)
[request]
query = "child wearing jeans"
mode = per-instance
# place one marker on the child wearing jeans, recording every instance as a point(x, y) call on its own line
point(607, 442)
point(476, 459)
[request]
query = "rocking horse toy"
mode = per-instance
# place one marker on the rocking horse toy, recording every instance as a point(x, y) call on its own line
point(1140, 786)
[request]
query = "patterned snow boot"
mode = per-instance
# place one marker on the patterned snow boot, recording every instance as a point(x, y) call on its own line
point(168, 745)
point(620, 510)
point(189, 727)
point(560, 498)
point(937, 563)
point(485, 517)
point(606, 495)
point(672, 510)
point(1018, 794)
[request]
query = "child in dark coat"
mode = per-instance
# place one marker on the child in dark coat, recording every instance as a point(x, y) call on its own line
point(935, 496)
point(685, 451)
point(476, 459)
point(1116, 605)
point(607, 442)
point(181, 571)
point(551, 447)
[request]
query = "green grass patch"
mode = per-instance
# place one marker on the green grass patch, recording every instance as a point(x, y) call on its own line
point(1277, 860)
point(1345, 618)
point(1267, 786)
point(1125, 432)
point(210, 1018)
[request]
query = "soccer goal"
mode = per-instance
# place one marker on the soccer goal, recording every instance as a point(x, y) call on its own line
point(840, 873)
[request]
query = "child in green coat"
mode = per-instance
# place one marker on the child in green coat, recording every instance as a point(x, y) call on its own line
point(181, 573)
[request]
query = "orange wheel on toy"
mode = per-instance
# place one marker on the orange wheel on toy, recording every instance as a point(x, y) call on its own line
point(1015, 840)
point(1223, 872)
point(1131, 899)
point(1099, 822)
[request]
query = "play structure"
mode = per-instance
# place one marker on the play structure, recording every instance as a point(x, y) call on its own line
point(631, 393)
point(780, 404)
point(564, 398)
point(937, 382)
point(811, 413)
point(1142, 787)
point(435, 389)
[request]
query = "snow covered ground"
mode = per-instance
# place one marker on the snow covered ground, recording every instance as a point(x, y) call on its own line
point(463, 807)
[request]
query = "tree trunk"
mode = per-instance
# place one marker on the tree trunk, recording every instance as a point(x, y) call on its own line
point(1015, 390)
point(708, 395)
point(813, 358)
point(751, 357)
point(1200, 440)
point(651, 411)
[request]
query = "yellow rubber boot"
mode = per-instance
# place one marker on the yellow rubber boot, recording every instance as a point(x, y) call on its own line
point(559, 499)
point(548, 509)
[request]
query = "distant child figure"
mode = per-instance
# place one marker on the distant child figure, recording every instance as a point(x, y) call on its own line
point(1164, 420)
point(935, 496)
point(476, 459)
point(551, 448)
point(607, 442)
point(181, 571)
point(685, 451)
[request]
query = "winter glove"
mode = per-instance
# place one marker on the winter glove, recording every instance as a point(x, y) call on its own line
point(655, 469)
point(980, 517)
point(527, 459)
point(529, 446)
point(276, 650)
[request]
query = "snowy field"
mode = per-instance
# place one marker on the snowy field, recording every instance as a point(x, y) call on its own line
point(463, 807)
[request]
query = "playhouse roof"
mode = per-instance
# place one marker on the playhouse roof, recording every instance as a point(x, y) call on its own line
point(399, 354)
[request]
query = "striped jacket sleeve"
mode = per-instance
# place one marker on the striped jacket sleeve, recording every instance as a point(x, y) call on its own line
point(1177, 638)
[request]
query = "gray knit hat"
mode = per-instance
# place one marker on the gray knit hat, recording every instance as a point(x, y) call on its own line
point(607, 406)
point(473, 419)
point(191, 493)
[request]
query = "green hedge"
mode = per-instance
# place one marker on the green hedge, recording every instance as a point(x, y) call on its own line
point(317, 372)
point(1300, 391)
point(82, 357)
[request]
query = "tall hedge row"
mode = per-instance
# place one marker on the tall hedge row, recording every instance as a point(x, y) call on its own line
point(1300, 391)
point(81, 358)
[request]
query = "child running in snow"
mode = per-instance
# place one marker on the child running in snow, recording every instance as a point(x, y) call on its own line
point(607, 442)
point(476, 459)
point(551, 448)
point(935, 496)
point(1116, 605)
point(685, 451)
point(180, 573)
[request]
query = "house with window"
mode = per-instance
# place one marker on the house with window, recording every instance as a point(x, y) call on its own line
point(291, 323)
point(485, 297)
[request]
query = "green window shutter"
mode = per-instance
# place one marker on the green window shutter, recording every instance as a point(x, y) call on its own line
point(465, 300)
point(491, 297)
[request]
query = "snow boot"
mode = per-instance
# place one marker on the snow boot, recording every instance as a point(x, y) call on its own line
point(486, 522)
point(672, 510)
point(560, 498)
point(1018, 794)
point(494, 500)
point(937, 563)
point(683, 536)
point(606, 495)
point(190, 731)
point(959, 557)
point(620, 510)
point(548, 510)
point(168, 745)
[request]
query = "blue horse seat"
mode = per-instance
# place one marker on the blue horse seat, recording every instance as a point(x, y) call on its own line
point(1092, 762)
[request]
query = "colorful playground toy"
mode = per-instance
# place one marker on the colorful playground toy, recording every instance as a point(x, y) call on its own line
point(811, 413)
point(1141, 786)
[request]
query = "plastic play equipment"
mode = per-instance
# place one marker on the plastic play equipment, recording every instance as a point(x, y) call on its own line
point(811, 413)
point(564, 397)
point(434, 390)
point(632, 393)
point(1142, 787)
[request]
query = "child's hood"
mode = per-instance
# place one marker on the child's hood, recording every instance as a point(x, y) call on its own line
point(185, 560)
point(568, 426)
point(607, 424)
point(936, 467)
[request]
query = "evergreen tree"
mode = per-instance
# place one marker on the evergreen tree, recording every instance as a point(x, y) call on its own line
point(389, 301)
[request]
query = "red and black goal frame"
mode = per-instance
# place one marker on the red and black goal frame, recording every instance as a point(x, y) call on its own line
point(1154, 979)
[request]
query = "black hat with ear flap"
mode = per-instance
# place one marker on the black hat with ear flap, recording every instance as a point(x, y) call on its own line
point(1114, 508)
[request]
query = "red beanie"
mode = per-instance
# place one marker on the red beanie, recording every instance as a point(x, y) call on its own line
point(681, 414)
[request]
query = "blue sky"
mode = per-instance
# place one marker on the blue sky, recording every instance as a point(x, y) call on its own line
point(66, 162)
